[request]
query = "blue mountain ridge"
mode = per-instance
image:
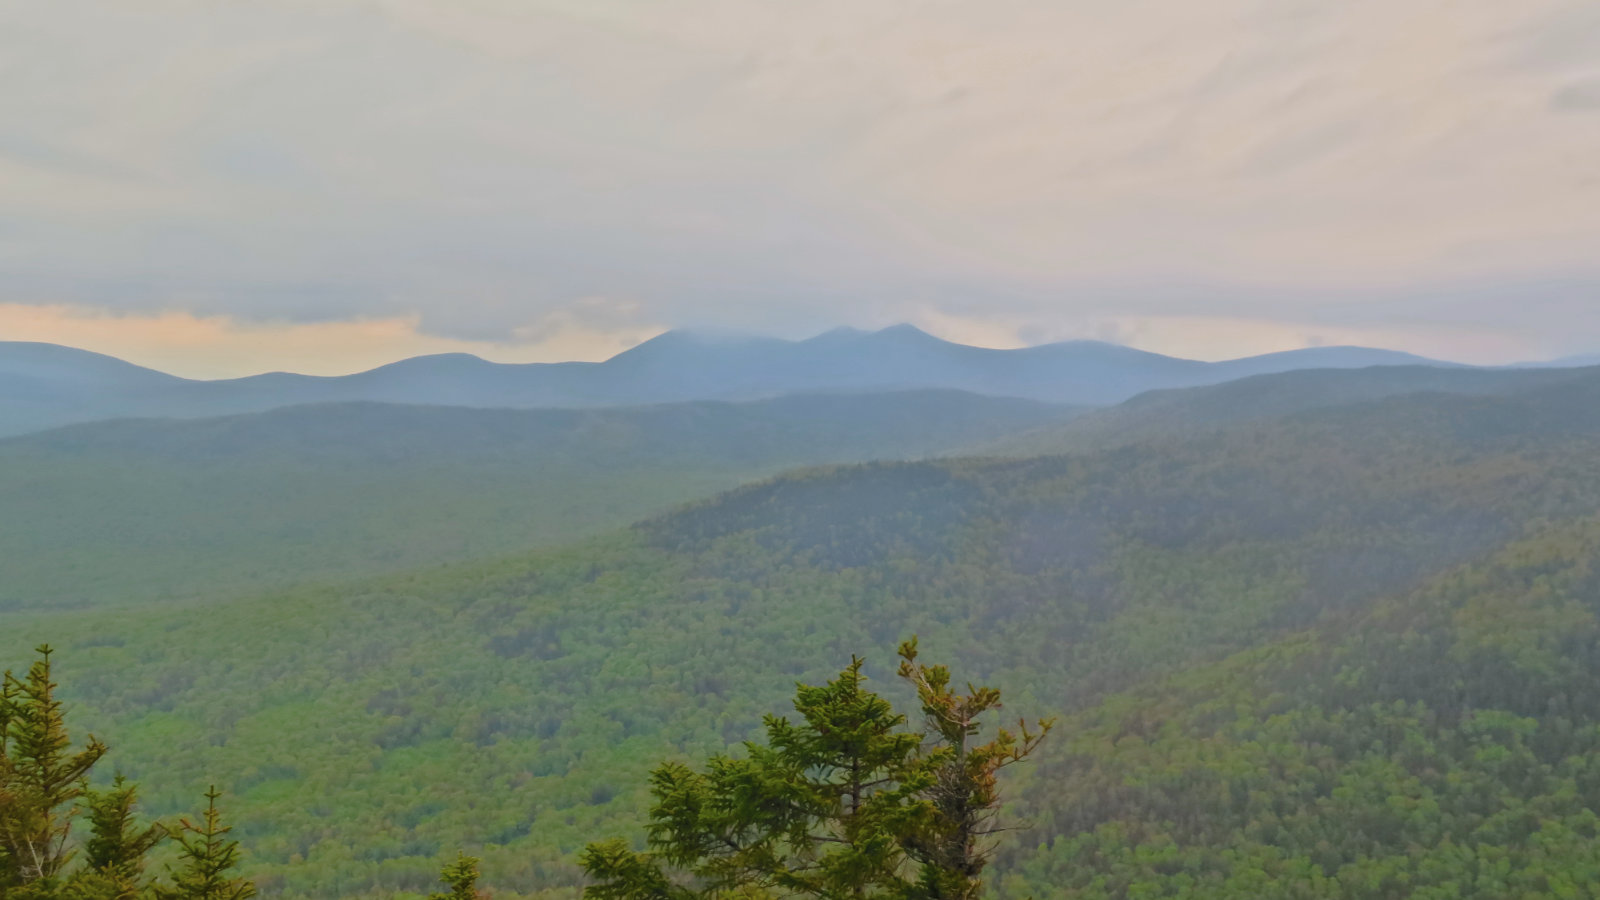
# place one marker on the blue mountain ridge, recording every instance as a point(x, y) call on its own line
point(45, 385)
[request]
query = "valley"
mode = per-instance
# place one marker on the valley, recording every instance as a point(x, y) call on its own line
point(135, 511)
point(1331, 627)
point(902, 450)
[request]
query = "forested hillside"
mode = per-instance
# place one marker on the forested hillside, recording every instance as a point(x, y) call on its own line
point(1181, 413)
point(1444, 743)
point(131, 511)
point(1346, 652)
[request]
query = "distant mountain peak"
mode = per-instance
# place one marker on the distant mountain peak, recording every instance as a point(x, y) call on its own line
point(448, 357)
point(436, 362)
point(907, 331)
point(666, 340)
point(834, 335)
point(1096, 346)
point(698, 337)
point(47, 385)
point(39, 359)
point(904, 333)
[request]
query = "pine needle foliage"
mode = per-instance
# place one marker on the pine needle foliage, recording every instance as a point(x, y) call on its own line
point(955, 847)
point(114, 855)
point(815, 812)
point(461, 877)
point(41, 779)
point(207, 859)
point(845, 803)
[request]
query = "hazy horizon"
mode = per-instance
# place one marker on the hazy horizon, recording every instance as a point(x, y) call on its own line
point(713, 334)
point(470, 524)
point(216, 190)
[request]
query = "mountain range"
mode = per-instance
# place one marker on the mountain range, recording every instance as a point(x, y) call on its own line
point(44, 385)
point(1325, 630)
point(253, 501)
point(1339, 648)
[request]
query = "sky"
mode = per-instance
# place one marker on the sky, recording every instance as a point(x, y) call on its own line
point(219, 188)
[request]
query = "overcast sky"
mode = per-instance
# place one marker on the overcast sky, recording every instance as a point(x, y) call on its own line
point(225, 187)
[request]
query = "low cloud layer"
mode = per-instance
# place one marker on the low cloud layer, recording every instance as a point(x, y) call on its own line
point(510, 175)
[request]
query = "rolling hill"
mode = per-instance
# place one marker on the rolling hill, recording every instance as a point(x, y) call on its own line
point(1183, 413)
point(1348, 652)
point(47, 386)
point(135, 510)
point(44, 385)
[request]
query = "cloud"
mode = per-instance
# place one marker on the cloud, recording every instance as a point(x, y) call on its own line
point(1488, 324)
point(484, 168)
point(1578, 96)
point(217, 346)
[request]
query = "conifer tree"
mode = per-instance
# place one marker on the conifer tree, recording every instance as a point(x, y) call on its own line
point(461, 877)
point(622, 874)
point(40, 779)
point(114, 855)
point(818, 811)
point(207, 859)
point(843, 804)
point(954, 846)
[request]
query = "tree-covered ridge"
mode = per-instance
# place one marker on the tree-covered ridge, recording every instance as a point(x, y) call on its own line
point(1182, 413)
point(1445, 743)
point(517, 709)
point(141, 510)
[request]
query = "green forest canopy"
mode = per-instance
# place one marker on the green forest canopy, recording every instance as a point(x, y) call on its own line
point(130, 512)
point(1344, 653)
point(847, 799)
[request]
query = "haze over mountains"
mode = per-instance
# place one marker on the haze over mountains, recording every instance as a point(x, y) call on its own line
point(1303, 602)
point(130, 511)
point(302, 597)
point(1187, 413)
point(332, 490)
point(1344, 646)
point(43, 386)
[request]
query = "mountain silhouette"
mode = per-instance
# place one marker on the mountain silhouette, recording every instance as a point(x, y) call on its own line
point(45, 385)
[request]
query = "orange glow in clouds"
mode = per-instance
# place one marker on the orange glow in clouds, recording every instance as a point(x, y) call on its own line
point(197, 346)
